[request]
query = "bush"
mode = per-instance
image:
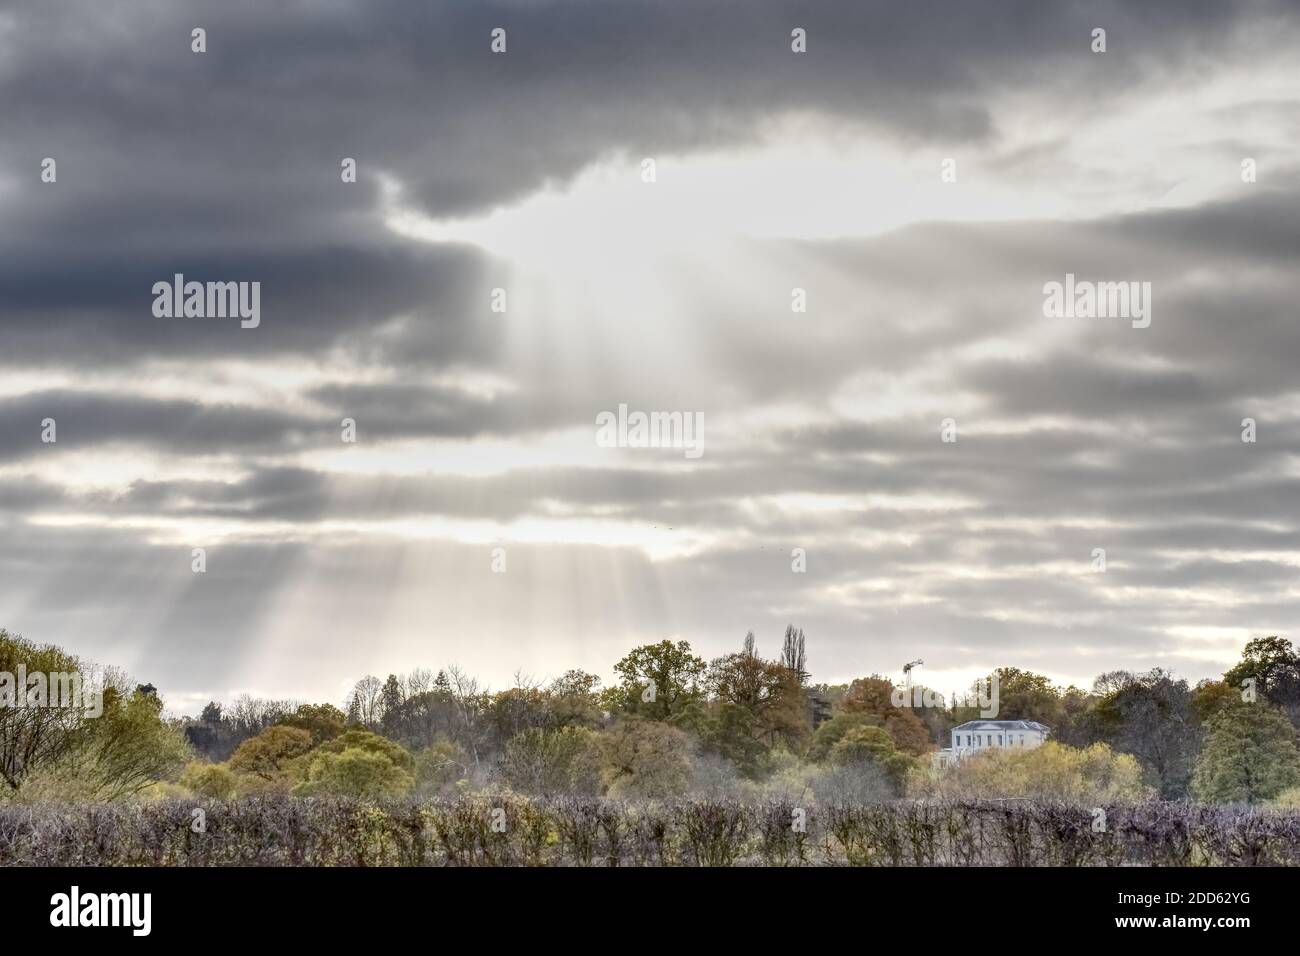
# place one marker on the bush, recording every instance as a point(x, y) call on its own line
point(1095, 775)
point(278, 830)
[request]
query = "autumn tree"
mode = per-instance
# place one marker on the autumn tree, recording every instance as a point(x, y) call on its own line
point(129, 747)
point(106, 742)
point(269, 755)
point(1093, 775)
point(213, 780)
point(873, 697)
point(356, 773)
point(1212, 696)
point(322, 721)
point(767, 691)
point(575, 699)
point(645, 758)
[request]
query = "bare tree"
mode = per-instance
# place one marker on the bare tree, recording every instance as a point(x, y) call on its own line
point(466, 693)
point(419, 681)
point(364, 702)
point(792, 652)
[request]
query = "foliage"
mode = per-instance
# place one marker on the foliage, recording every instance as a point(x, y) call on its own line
point(357, 763)
point(1250, 756)
point(872, 697)
point(865, 746)
point(740, 728)
point(110, 744)
point(271, 754)
point(1152, 717)
point(128, 747)
point(1288, 799)
point(216, 781)
point(1094, 775)
point(323, 721)
point(567, 760)
point(354, 772)
point(330, 831)
point(644, 758)
point(1275, 666)
point(658, 681)
point(33, 738)
point(439, 766)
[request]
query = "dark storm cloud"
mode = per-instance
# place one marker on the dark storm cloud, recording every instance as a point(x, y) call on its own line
point(225, 165)
point(84, 419)
point(96, 308)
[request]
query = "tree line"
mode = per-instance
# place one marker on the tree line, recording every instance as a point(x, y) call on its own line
point(670, 724)
point(673, 724)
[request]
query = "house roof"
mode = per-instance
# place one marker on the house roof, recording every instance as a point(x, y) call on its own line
point(1004, 725)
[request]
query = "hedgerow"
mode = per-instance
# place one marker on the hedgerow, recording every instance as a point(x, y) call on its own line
point(517, 831)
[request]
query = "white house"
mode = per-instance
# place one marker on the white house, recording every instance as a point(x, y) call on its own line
point(976, 736)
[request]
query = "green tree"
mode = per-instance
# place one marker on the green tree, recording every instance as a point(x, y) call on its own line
point(358, 738)
point(833, 731)
point(123, 751)
point(736, 733)
point(357, 763)
point(1212, 696)
point(659, 681)
point(130, 746)
point(867, 746)
point(270, 755)
point(354, 772)
point(1022, 695)
point(214, 780)
point(1275, 667)
point(1250, 755)
point(32, 738)
point(323, 721)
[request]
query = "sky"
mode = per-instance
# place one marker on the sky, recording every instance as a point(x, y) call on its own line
point(617, 210)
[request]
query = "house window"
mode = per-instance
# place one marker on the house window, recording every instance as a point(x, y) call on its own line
point(999, 740)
